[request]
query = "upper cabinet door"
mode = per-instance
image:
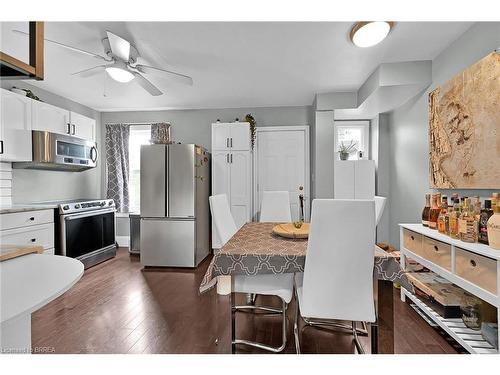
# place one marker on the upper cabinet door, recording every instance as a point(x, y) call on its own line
point(82, 126)
point(50, 118)
point(15, 127)
point(220, 136)
point(239, 138)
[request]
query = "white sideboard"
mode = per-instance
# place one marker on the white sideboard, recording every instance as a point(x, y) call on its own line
point(354, 179)
point(472, 266)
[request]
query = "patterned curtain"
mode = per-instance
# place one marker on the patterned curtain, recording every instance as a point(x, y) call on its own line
point(160, 133)
point(117, 165)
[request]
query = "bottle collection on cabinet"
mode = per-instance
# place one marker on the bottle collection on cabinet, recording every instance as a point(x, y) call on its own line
point(464, 218)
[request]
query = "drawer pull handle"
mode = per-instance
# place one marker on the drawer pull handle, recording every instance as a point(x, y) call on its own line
point(412, 238)
point(473, 263)
point(32, 218)
point(436, 248)
point(33, 240)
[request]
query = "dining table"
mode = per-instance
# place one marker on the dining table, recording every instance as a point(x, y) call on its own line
point(254, 249)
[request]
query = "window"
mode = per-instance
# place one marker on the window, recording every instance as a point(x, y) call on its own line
point(356, 132)
point(139, 135)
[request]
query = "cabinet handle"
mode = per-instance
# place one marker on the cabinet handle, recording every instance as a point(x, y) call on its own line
point(412, 238)
point(473, 263)
point(1, 147)
point(74, 129)
point(231, 142)
point(32, 218)
point(69, 128)
point(227, 142)
point(231, 158)
point(436, 248)
point(227, 158)
point(33, 240)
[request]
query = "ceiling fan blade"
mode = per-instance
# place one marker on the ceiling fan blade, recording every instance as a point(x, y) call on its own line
point(66, 46)
point(119, 46)
point(90, 71)
point(146, 85)
point(165, 74)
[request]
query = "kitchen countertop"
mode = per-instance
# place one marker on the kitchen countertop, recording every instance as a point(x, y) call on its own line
point(26, 207)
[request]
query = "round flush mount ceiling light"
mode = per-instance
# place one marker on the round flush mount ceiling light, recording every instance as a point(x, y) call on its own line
point(367, 34)
point(119, 72)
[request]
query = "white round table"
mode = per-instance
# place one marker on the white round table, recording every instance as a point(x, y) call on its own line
point(27, 283)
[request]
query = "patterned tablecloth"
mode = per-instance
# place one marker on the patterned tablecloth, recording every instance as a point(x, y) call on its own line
point(254, 249)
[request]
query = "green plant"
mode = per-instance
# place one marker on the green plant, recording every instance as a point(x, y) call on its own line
point(347, 149)
point(253, 128)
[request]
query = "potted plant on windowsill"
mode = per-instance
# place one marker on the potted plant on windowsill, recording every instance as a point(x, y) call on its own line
point(346, 150)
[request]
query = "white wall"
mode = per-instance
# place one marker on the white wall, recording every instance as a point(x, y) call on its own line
point(194, 126)
point(37, 185)
point(408, 128)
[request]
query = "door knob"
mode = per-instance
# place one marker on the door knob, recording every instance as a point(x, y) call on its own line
point(301, 188)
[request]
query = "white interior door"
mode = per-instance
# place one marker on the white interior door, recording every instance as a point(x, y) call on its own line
point(282, 163)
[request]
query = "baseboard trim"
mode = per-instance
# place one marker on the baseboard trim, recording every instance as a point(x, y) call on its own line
point(123, 241)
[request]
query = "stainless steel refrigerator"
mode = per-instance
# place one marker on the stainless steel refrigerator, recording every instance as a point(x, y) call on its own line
point(175, 213)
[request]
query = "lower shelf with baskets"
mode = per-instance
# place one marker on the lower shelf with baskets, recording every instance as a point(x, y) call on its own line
point(471, 340)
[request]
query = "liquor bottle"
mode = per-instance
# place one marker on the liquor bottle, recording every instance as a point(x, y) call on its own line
point(467, 226)
point(434, 212)
point(426, 210)
point(494, 224)
point(441, 223)
point(477, 207)
point(486, 213)
point(454, 216)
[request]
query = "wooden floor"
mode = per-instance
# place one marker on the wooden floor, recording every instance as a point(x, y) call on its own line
point(118, 308)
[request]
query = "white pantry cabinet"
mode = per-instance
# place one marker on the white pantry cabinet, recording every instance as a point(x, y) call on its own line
point(232, 171)
point(231, 136)
point(15, 127)
point(354, 179)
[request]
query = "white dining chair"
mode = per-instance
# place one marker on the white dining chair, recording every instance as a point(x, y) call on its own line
point(266, 284)
point(337, 282)
point(379, 207)
point(275, 207)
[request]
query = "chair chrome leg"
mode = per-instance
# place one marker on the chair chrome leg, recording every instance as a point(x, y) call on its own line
point(329, 323)
point(296, 325)
point(263, 346)
point(263, 308)
point(356, 339)
point(232, 296)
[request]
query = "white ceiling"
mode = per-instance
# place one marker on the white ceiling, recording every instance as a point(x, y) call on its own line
point(232, 64)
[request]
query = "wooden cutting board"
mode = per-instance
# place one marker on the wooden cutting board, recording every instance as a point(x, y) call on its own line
point(288, 230)
point(11, 251)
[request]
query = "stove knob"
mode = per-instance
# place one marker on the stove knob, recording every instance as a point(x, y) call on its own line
point(77, 206)
point(66, 207)
point(110, 203)
point(102, 204)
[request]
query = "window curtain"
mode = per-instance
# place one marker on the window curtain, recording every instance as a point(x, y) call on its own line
point(160, 133)
point(117, 165)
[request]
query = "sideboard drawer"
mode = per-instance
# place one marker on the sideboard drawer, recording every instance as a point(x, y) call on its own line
point(26, 218)
point(36, 235)
point(412, 241)
point(477, 269)
point(437, 252)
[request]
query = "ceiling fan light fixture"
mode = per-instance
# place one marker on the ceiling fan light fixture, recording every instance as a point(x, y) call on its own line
point(367, 34)
point(119, 74)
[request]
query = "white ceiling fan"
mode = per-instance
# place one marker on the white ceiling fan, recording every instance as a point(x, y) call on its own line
point(121, 63)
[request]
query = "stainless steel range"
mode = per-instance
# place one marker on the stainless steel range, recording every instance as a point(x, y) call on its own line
point(87, 230)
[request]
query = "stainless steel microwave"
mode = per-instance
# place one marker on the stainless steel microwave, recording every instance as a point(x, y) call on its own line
point(60, 152)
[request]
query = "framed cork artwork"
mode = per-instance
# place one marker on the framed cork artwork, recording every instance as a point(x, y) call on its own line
point(464, 129)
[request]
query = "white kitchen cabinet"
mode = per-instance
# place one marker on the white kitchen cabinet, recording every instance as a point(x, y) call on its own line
point(28, 228)
point(47, 117)
point(82, 126)
point(231, 136)
point(15, 127)
point(232, 171)
point(354, 179)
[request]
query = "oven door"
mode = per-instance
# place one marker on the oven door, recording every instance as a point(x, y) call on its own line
point(88, 232)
